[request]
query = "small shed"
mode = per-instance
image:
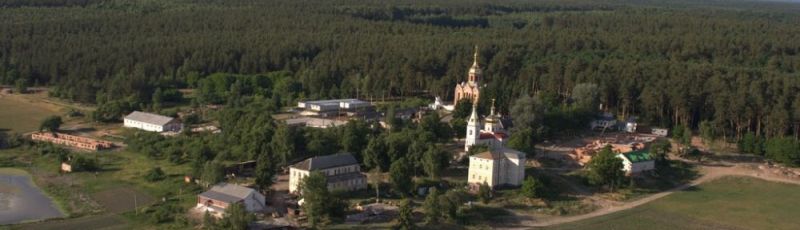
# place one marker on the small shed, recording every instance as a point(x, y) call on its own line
point(222, 195)
point(662, 132)
point(66, 167)
point(635, 162)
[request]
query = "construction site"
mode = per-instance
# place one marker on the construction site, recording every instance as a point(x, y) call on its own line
point(619, 142)
point(578, 152)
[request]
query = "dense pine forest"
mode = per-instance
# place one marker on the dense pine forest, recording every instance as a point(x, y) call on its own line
point(730, 65)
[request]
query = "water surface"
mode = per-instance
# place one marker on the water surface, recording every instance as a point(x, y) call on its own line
point(21, 200)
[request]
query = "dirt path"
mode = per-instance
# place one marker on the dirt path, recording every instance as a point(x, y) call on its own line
point(709, 173)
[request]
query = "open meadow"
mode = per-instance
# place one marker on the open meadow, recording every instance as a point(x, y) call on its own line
point(726, 203)
point(21, 115)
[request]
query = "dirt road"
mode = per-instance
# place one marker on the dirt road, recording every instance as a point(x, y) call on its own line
point(709, 173)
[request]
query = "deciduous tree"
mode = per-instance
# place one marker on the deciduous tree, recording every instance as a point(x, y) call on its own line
point(401, 176)
point(405, 217)
point(51, 124)
point(606, 169)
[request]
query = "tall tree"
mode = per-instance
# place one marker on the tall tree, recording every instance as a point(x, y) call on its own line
point(265, 170)
point(431, 206)
point(450, 203)
point(375, 156)
point(707, 132)
point(236, 218)
point(532, 188)
point(51, 124)
point(316, 199)
point(213, 173)
point(434, 161)
point(282, 144)
point(586, 96)
point(606, 169)
point(405, 217)
point(527, 112)
point(660, 150)
point(401, 176)
point(522, 140)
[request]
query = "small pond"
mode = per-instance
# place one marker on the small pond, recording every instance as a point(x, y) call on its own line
point(21, 200)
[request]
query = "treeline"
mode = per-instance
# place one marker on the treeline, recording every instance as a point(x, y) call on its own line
point(249, 132)
point(678, 64)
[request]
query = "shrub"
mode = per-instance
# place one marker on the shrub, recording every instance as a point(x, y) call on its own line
point(155, 174)
point(80, 164)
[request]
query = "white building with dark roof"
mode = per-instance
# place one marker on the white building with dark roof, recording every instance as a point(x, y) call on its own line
point(222, 195)
point(496, 167)
point(342, 172)
point(152, 122)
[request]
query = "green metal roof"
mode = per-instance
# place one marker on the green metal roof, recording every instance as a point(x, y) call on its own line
point(638, 156)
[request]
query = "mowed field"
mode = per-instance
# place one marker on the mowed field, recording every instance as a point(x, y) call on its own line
point(22, 115)
point(726, 203)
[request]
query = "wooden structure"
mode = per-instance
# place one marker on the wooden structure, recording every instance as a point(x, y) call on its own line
point(72, 141)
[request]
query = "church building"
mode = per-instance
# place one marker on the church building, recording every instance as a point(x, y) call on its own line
point(493, 134)
point(471, 88)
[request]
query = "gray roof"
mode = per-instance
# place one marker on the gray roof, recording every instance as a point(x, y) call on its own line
point(229, 193)
point(315, 122)
point(149, 118)
point(326, 162)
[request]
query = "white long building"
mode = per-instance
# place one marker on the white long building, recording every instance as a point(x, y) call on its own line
point(152, 122)
point(330, 107)
point(217, 199)
point(342, 172)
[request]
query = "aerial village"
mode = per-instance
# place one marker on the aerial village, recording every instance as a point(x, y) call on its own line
point(482, 166)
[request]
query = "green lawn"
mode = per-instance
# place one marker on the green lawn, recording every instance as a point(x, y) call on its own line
point(726, 203)
point(19, 116)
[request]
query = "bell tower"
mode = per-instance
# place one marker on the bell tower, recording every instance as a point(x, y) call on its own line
point(473, 128)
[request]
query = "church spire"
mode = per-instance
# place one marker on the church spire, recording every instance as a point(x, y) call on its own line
point(475, 57)
point(492, 111)
point(473, 118)
point(475, 70)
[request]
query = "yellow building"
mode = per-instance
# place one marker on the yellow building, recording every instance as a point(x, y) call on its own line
point(501, 167)
point(471, 88)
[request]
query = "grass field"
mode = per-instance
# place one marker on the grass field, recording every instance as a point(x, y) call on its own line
point(104, 199)
point(726, 203)
point(21, 115)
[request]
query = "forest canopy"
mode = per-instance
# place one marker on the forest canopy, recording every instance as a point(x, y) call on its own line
point(732, 63)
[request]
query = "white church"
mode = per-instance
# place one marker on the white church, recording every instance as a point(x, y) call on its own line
point(493, 133)
point(499, 166)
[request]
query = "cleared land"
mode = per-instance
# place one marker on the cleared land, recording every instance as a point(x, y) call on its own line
point(725, 203)
point(22, 115)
